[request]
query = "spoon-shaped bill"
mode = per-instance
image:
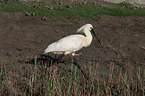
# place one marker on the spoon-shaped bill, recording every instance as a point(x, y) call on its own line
point(96, 37)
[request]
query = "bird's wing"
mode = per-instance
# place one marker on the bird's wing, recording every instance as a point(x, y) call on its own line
point(70, 43)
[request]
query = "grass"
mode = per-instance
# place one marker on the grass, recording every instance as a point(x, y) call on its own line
point(77, 10)
point(41, 80)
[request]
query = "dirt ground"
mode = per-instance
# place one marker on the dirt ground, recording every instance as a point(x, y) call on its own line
point(24, 38)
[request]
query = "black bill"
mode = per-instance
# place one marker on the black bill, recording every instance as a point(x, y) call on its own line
point(96, 37)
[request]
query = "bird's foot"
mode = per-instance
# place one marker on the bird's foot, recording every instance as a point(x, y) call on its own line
point(73, 54)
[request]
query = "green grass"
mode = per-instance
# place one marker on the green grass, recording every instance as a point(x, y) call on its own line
point(41, 80)
point(79, 10)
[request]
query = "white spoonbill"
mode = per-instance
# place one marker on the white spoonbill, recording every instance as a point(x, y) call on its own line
point(72, 43)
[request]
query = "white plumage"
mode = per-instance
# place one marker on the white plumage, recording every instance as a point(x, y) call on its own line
point(72, 43)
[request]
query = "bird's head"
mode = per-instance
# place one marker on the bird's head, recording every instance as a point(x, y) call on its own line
point(87, 27)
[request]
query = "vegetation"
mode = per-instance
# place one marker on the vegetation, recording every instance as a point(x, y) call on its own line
point(71, 10)
point(41, 80)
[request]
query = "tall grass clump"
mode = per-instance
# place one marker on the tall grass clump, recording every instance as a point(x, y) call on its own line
point(41, 80)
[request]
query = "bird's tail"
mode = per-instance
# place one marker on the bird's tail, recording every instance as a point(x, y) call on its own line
point(50, 48)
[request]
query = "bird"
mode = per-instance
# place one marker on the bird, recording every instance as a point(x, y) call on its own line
point(72, 43)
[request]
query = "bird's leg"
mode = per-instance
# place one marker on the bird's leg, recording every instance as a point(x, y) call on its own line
point(55, 57)
point(73, 54)
point(58, 60)
point(65, 53)
point(75, 63)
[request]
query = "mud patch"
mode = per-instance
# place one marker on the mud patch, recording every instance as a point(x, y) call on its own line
point(25, 38)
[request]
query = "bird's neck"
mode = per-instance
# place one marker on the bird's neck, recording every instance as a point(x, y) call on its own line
point(88, 37)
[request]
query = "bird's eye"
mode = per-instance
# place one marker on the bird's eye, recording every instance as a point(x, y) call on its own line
point(91, 27)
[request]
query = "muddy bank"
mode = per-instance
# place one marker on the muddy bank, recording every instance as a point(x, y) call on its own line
point(24, 38)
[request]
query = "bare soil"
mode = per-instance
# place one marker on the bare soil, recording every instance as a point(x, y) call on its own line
point(24, 38)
